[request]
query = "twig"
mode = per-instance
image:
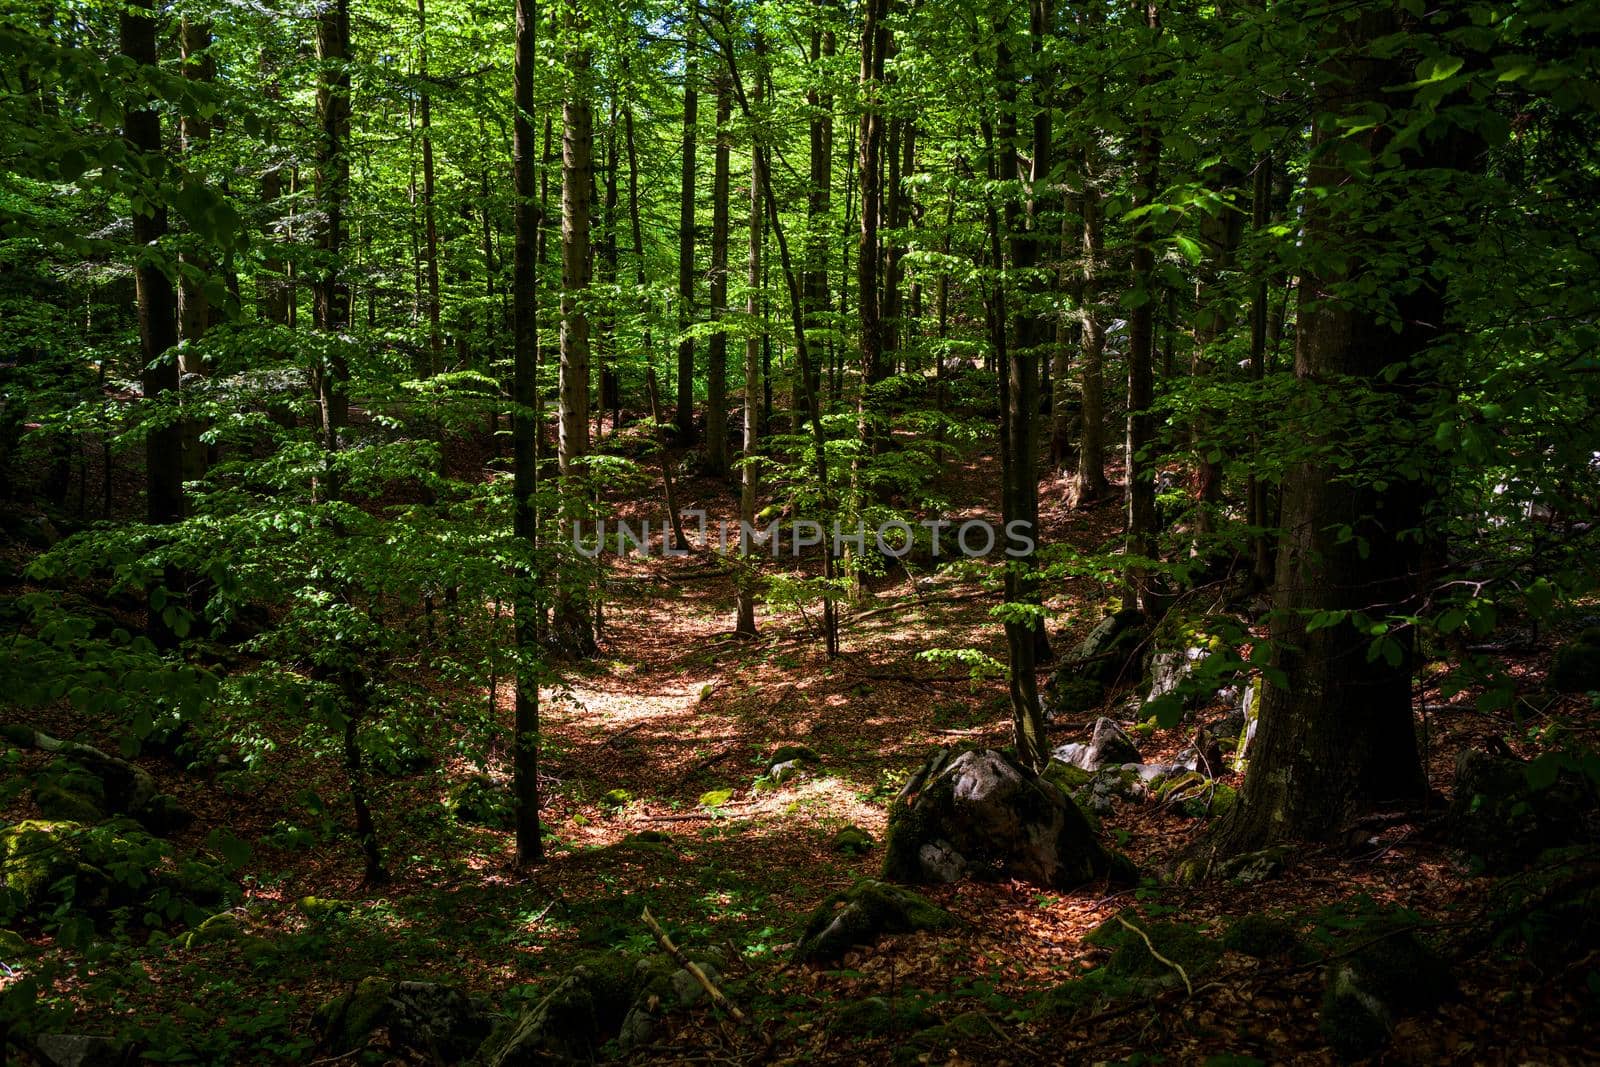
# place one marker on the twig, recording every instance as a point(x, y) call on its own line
point(689, 965)
point(1149, 945)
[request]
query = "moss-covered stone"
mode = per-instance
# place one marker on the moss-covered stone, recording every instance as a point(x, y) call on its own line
point(877, 1016)
point(616, 798)
point(1068, 695)
point(221, 928)
point(1261, 936)
point(860, 915)
point(1252, 867)
point(1364, 994)
point(58, 802)
point(853, 841)
point(42, 864)
point(793, 754)
point(1575, 668)
point(321, 908)
point(480, 801)
point(1131, 958)
point(648, 841)
point(570, 1023)
point(1498, 818)
point(1066, 777)
point(13, 946)
point(427, 1018)
point(1085, 995)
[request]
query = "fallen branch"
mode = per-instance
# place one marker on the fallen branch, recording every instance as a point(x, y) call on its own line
point(689, 965)
point(1149, 945)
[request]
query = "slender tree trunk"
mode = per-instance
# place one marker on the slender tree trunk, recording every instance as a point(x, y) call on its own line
point(429, 363)
point(750, 471)
point(686, 205)
point(717, 346)
point(874, 42)
point(330, 291)
point(1090, 483)
point(194, 307)
point(1142, 345)
point(526, 610)
point(574, 624)
point(818, 193)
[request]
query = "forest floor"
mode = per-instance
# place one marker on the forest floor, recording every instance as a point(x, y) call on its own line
point(674, 708)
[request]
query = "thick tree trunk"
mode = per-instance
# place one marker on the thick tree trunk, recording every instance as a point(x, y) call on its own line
point(158, 307)
point(686, 205)
point(1338, 738)
point(524, 438)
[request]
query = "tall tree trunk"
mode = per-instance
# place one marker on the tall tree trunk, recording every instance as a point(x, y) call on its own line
point(1142, 343)
point(194, 307)
point(330, 291)
point(818, 192)
point(686, 204)
point(1220, 234)
point(524, 441)
point(432, 361)
point(574, 624)
point(1090, 483)
point(717, 346)
point(1338, 737)
point(874, 42)
point(750, 470)
point(158, 307)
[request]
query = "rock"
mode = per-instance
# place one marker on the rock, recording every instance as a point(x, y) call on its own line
point(570, 1023)
point(1067, 695)
point(83, 1050)
point(58, 802)
point(1243, 724)
point(1132, 960)
point(221, 928)
point(1366, 993)
point(480, 801)
point(42, 863)
point(782, 772)
point(437, 1020)
point(1576, 666)
point(661, 988)
point(124, 788)
point(1253, 867)
point(860, 915)
point(1105, 653)
point(649, 841)
point(1498, 817)
point(793, 754)
point(616, 798)
point(1108, 744)
point(877, 1016)
point(13, 946)
point(321, 907)
point(999, 820)
point(1261, 936)
point(853, 841)
point(164, 814)
point(1169, 668)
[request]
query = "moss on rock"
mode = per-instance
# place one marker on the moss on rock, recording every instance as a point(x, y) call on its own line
point(862, 914)
point(1261, 936)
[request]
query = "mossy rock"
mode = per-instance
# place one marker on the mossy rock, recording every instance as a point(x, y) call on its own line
point(1085, 995)
point(1066, 777)
point(1261, 936)
point(1131, 958)
point(878, 1017)
point(203, 883)
point(1074, 695)
point(863, 913)
point(421, 1017)
point(1252, 867)
point(570, 1023)
point(964, 1029)
point(616, 798)
point(43, 864)
point(648, 841)
point(59, 802)
point(1212, 803)
point(13, 946)
point(1364, 994)
point(1498, 818)
point(793, 754)
point(321, 908)
point(1575, 668)
point(853, 841)
point(221, 928)
point(480, 801)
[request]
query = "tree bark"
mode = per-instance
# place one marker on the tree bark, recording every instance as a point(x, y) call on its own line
point(158, 308)
point(750, 471)
point(429, 363)
point(1141, 490)
point(686, 205)
point(524, 436)
point(717, 346)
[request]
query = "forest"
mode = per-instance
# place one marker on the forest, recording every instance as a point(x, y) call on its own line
point(799, 531)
